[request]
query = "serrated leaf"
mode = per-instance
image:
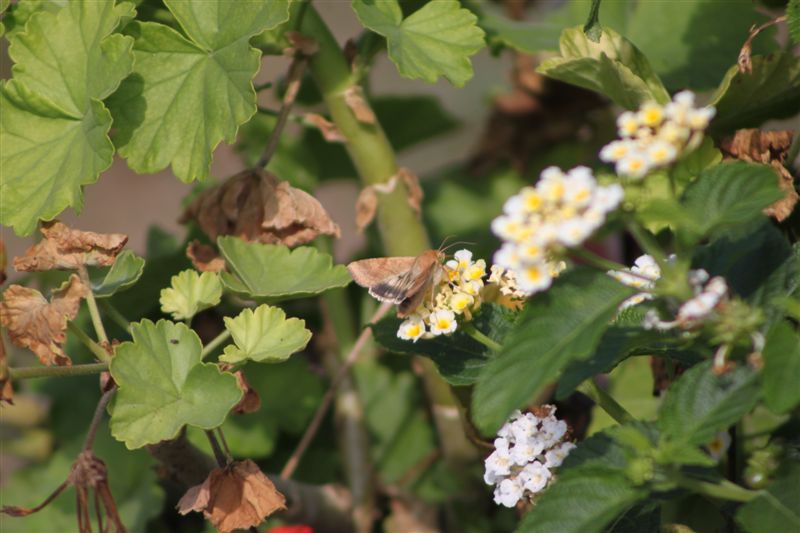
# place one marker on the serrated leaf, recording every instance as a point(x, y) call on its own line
point(459, 357)
point(163, 385)
point(54, 128)
point(584, 500)
point(701, 404)
point(727, 196)
point(273, 272)
point(781, 375)
point(264, 335)
point(558, 327)
point(747, 99)
point(189, 293)
point(777, 508)
point(188, 94)
point(613, 67)
point(123, 274)
point(436, 40)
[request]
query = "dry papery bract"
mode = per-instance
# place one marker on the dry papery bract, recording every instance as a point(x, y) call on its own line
point(237, 496)
point(251, 401)
point(327, 128)
point(354, 98)
point(367, 202)
point(88, 472)
point(67, 248)
point(770, 148)
point(204, 257)
point(255, 206)
point(39, 325)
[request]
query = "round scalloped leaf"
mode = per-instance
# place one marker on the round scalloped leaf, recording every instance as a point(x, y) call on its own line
point(273, 272)
point(124, 273)
point(190, 293)
point(264, 335)
point(163, 385)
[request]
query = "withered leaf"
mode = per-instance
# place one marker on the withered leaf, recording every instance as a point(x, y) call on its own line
point(413, 188)
point(204, 257)
point(39, 325)
point(251, 401)
point(6, 389)
point(255, 206)
point(354, 98)
point(327, 128)
point(770, 148)
point(67, 248)
point(366, 206)
point(238, 496)
point(2, 262)
point(367, 202)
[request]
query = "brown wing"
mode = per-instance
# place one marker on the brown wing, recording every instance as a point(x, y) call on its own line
point(387, 278)
point(414, 299)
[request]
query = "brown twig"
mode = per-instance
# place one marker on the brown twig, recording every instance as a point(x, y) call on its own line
point(219, 455)
point(744, 62)
point(98, 416)
point(319, 415)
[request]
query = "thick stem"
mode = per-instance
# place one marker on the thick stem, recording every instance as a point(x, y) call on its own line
point(31, 372)
point(401, 230)
point(606, 402)
point(91, 303)
point(723, 489)
point(87, 341)
point(214, 343)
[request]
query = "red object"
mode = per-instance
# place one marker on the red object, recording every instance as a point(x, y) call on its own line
point(291, 529)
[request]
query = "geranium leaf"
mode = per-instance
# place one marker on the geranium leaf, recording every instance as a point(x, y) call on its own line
point(189, 93)
point(264, 335)
point(781, 368)
point(124, 273)
point(190, 293)
point(54, 127)
point(273, 272)
point(163, 385)
point(436, 40)
point(613, 67)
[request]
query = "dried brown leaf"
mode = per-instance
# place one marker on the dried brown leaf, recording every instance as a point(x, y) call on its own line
point(2, 262)
point(238, 496)
point(67, 248)
point(367, 202)
point(770, 148)
point(6, 389)
point(354, 98)
point(204, 257)
point(255, 206)
point(366, 206)
point(251, 401)
point(414, 189)
point(327, 128)
point(39, 325)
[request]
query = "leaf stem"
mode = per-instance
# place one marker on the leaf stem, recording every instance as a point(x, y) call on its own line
point(606, 402)
point(592, 29)
point(479, 336)
point(95, 348)
point(115, 316)
point(98, 416)
point(219, 455)
point(32, 372)
point(647, 242)
point(724, 489)
point(597, 261)
point(214, 343)
point(91, 303)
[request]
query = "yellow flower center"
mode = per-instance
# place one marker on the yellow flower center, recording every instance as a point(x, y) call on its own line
point(442, 323)
point(413, 330)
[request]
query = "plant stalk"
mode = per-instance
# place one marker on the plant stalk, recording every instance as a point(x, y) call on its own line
point(479, 336)
point(91, 303)
point(606, 402)
point(32, 372)
point(214, 343)
point(724, 489)
point(87, 341)
point(115, 316)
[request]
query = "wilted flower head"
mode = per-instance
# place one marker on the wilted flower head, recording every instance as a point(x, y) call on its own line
point(642, 275)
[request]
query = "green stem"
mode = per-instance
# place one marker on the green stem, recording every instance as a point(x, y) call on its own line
point(479, 336)
point(214, 343)
point(91, 303)
point(647, 243)
point(592, 28)
point(95, 348)
point(724, 489)
point(606, 402)
point(115, 316)
point(595, 260)
point(31, 372)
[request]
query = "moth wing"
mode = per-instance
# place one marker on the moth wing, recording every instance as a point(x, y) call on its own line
point(387, 278)
point(408, 305)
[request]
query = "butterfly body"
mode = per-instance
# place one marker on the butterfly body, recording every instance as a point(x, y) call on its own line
point(399, 280)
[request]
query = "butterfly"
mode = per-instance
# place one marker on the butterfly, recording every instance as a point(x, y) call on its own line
point(400, 280)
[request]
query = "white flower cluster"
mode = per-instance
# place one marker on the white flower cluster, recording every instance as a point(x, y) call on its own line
point(527, 447)
point(458, 294)
point(562, 210)
point(643, 275)
point(708, 295)
point(507, 282)
point(655, 136)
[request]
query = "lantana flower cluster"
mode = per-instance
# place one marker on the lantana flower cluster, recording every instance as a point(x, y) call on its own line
point(538, 223)
point(708, 295)
point(455, 298)
point(655, 135)
point(642, 275)
point(527, 449)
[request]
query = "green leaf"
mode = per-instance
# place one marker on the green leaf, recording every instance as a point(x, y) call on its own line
point(189, 93)
point(793, 20)
point(264, 335)
point(529, 37)
point(613, 67)
point(273, 272)
point(558, 327)
point(54, 128)
point(771, 90)
point(163, 385)
point(727, 196)
point(584, 500)
point(701, 404)
point(434, 41)
point(123, 274)
point(777, 508)
point(189, 293)
point(459, 357)
point(781, 374)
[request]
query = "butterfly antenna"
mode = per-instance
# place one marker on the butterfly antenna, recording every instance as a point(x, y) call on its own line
point(456, 243)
